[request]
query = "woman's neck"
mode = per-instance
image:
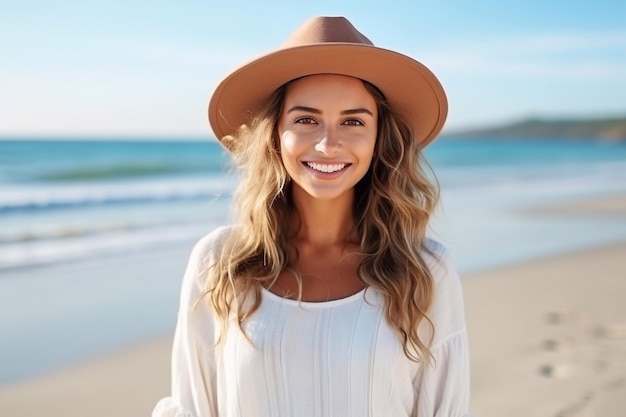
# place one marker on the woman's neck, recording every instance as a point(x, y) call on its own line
point(324, 222)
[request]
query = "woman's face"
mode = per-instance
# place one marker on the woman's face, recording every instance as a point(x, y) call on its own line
point(327, 130)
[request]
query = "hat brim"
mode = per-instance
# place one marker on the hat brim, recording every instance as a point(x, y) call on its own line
point(411, 89)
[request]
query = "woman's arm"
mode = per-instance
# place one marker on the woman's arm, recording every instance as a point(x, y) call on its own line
point(442, 386)
point(193, 360)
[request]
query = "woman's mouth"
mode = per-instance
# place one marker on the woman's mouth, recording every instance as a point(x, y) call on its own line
point(326, 168)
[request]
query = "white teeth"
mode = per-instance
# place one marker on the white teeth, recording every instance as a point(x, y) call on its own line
point(328, 168)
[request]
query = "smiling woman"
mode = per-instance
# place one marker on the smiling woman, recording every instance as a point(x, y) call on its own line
point(326, 298)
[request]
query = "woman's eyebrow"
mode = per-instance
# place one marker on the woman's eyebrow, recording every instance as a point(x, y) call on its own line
point(317, 111)
point(358, 111)
point(304, 109)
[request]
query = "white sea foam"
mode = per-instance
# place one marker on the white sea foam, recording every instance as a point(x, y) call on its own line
point(530, 185)
point(40, 197)
point(43, 252)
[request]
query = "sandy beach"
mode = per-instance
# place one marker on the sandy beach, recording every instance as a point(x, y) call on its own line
point(547, 339)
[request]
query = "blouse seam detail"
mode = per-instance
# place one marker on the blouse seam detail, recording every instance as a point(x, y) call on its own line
point(373, 365)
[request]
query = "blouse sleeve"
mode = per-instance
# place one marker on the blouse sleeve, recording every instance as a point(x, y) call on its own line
point(443, 385)
point(193, 361)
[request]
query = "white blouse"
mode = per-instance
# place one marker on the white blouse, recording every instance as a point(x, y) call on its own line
point(315, 359)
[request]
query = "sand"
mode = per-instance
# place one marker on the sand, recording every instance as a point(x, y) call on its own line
point(613, 205)
point(547, 339)
point(123, 383)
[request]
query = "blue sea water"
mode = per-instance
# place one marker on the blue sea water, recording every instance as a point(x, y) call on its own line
point(66, 200)
point(68, 208)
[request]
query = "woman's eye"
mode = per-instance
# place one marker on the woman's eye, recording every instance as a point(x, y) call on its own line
point(305, 120)
point(354, 122)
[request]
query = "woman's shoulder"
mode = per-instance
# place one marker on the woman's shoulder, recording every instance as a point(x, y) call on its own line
point(442, 268)
point(437, 258)
point(207, 249)
point(205, 253)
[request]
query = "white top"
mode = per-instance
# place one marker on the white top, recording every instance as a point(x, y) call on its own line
point(315, 359)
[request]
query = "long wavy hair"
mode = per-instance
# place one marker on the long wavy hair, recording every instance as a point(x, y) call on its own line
point(392, 207)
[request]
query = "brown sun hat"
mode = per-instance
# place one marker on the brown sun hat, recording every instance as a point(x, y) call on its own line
point(331, 45)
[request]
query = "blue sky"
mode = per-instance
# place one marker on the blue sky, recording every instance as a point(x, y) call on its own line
point(147, 68)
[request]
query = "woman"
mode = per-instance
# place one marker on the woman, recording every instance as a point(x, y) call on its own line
point(326, 299)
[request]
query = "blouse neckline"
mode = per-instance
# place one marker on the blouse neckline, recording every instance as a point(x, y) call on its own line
point(314, 304)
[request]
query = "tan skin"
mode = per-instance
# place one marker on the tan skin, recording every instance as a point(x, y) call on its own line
point(327, 132)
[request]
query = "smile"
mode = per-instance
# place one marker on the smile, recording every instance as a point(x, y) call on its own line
point(327, 168)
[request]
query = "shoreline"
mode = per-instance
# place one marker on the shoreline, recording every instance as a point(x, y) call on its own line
point(553, 329)
point(604, 204)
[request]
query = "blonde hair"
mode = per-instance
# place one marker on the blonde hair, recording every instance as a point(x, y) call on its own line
point(393, 204)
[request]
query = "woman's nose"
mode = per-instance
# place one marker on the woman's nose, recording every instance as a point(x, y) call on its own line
point(329, 144)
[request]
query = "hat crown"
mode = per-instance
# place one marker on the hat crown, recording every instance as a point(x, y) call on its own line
point(324, 29)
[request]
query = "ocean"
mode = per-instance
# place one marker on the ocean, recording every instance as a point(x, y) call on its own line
point(94, 234)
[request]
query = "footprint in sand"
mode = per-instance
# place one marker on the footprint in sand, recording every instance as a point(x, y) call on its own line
point(614, 331)
point(558, 344)
point(555, 370)
point(560, 317)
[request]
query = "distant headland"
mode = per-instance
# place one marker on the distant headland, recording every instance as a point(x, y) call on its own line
point(611, 129)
